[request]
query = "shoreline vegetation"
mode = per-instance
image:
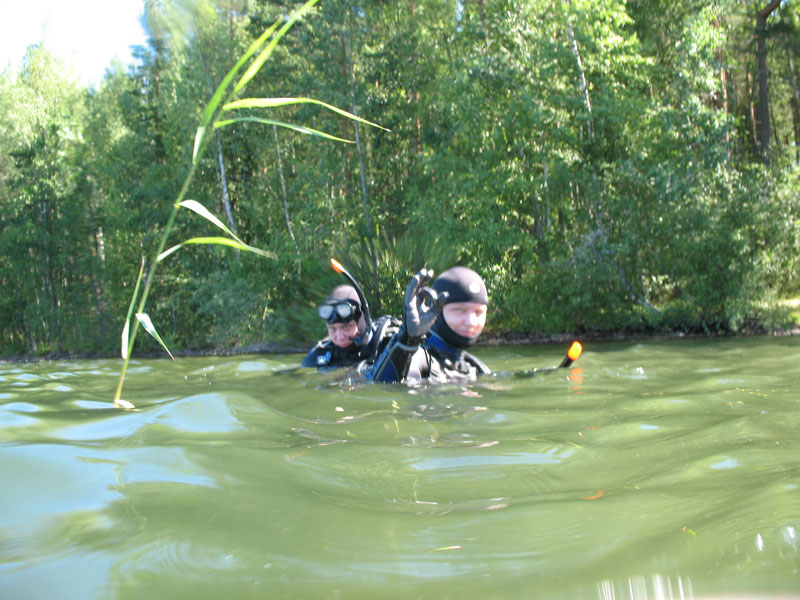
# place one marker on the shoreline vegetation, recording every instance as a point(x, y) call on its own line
point(606, 167)
point(487, 340)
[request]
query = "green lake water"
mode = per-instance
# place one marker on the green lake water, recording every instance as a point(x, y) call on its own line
point(660, 469)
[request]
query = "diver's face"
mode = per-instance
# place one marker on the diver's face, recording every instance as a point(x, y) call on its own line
point(465, 318)
point(342, 334)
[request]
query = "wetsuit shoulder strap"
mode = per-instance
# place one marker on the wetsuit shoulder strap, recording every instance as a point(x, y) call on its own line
point(385, 328)
point(451, 356)
point(477, 363)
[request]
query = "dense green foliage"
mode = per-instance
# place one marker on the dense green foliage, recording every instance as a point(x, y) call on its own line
point(599, 162)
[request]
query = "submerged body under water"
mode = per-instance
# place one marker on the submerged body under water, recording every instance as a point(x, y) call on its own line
point(647, 470)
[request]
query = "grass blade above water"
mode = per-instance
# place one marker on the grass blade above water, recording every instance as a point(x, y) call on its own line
point(275, 102)
point(298, 128)
point(220, 241)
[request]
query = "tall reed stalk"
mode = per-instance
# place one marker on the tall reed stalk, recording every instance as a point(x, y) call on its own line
point(224, 95)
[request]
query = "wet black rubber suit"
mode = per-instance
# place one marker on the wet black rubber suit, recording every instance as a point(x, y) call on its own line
point(425, 348)
point(326, 354)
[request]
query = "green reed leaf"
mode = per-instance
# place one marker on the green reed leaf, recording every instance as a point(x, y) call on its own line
point(201, 210)
point(126, 328)
point(300, 128)
point(273, 102)
point(211, 107)
point(125, 331)
point(221, 241)
point(255, 67)
point(144, 319)
point(198, 142)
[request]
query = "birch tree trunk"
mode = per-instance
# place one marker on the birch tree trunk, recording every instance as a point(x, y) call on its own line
point(573, 46)
point(98, 266)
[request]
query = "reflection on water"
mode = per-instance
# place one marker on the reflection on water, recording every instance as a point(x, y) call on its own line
point(655, 586)
point(647, 470)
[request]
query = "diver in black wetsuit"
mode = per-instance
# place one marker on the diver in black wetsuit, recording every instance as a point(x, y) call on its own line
point(353, 338)
point(430, 346)
point(350, 338)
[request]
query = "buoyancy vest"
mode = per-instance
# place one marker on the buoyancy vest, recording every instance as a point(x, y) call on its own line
point(326, 354)
point(446, 363)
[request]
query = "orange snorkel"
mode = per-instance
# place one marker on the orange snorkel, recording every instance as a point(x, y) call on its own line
point(337, 266)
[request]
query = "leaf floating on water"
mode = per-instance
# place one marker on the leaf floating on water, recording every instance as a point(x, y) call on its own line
point(599, 494)
point(445, 548)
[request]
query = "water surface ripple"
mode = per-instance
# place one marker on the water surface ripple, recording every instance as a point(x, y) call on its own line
point(648, 470)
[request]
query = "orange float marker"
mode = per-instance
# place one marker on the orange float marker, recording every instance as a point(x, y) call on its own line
point(573, 353)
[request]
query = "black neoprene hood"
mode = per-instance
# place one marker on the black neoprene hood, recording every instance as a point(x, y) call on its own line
point(462, 285)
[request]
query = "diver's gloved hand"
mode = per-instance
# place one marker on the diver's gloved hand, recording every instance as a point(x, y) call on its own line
point(422, 306)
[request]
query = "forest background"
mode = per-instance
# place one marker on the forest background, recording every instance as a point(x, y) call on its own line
point(607, 166)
